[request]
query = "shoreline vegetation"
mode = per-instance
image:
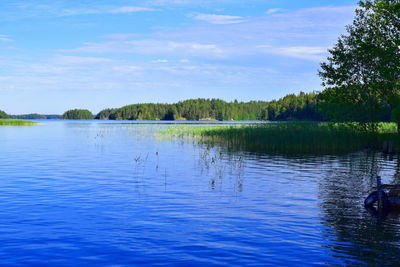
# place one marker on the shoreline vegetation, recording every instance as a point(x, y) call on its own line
point(16, 123)
point(292, 137)
point(291, 107)
point(35, 116)
point(302, 106)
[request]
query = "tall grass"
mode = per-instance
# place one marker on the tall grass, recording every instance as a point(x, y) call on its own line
point(16, 122)
point(296, 137)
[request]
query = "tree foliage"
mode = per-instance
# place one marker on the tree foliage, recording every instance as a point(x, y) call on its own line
point(291, 107)
point(36, 116)
point(77, 114)
point(4, 115)
point(362, 73)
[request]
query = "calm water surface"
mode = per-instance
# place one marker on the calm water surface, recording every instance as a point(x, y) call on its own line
point(101, 193)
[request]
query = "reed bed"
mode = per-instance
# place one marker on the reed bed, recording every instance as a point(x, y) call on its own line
point(296, 137)
point(17, 122)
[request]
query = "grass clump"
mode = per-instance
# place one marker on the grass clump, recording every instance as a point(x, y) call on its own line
point(296, 137)
point(17, 122)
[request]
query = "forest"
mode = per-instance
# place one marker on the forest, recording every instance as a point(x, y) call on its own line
point(301, 107)
point(35, 116)
point(291, 107)
point(77, 114)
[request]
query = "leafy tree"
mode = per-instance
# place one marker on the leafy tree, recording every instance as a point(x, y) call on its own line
point(4, 115)
point(172, 114)
point(77, 114)
point(298, 107)
point(36, 116)
point(362, 73)
point(104, 114)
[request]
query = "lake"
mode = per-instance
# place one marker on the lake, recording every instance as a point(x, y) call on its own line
point(117, 193)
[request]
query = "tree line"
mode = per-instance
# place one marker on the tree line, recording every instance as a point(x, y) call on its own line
point(303, 106)
point(291, 107)
point(35, 116)
point(312, 106)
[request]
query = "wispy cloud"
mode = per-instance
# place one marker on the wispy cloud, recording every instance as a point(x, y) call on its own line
point(150, 47)
point(310, 53)
point(130, 9)
point(254, 59)
point(30, 9)
point(160, 61)
point(76, 12)
point(273, 11)
point(304, 52)
point(101, 74)
point(69, 60)
point(5, 38)
point(217, 19)
point(110, 10)
point(304, 34)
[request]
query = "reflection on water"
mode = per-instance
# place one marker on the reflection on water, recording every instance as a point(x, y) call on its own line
point(108, 193)
point(352, 234)
point(356, 236)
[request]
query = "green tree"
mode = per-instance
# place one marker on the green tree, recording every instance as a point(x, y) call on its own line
point(4, 115)
point(77, 114)
point(298, 107)
point(362, 73)
point(104, 114)
point(171, 114)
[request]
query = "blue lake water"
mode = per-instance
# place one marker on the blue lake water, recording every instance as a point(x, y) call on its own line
point(109, 193)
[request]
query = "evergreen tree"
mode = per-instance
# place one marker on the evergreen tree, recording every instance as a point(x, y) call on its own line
point(297, 107)
point(77, 114)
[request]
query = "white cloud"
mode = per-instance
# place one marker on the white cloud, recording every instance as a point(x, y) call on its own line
point(100, 74)
point(217, 19)
point(5, 38)
point(68, 60)
point(270, 52)
point(60, 9)
point(151, 47)
point(311, 53)
point(160, 61)
point(303, 34)
point(126, 68)
point(130, 9)
point(273, 11)
point(304, 52)
point(77, 12)
point(114, 10)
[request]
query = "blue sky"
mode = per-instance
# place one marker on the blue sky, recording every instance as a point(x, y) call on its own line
point(60, 54)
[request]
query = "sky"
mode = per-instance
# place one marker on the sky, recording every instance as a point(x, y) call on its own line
point(57, 55)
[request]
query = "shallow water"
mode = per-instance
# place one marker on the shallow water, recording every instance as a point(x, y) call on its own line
point(106, 193)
